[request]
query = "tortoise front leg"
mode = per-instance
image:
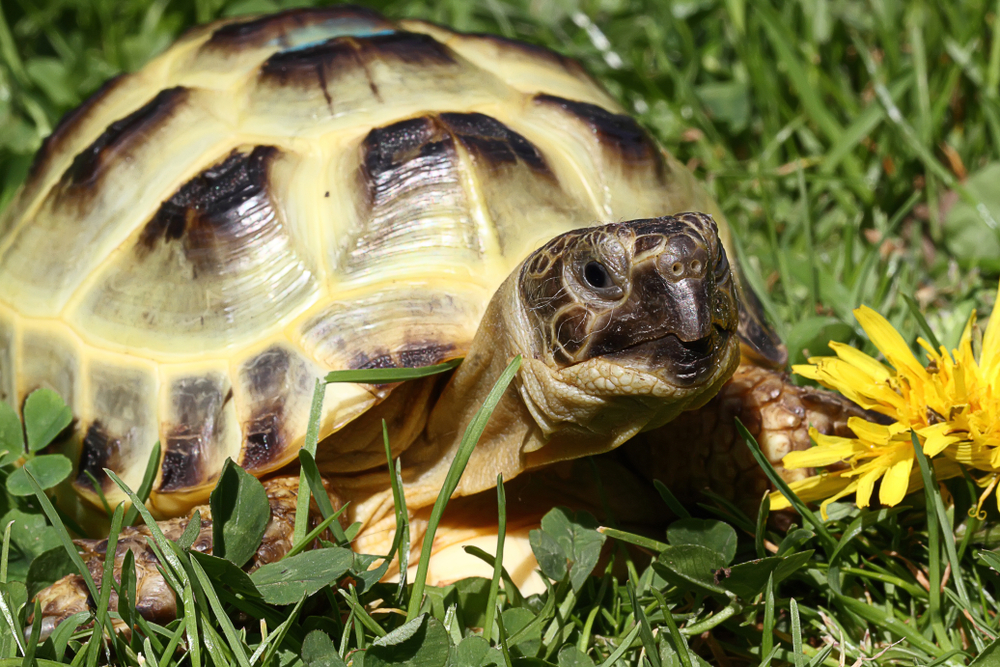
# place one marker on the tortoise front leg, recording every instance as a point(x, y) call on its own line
point(702, 448)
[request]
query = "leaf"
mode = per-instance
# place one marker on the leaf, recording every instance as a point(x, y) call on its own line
point(689, 565)
point(221, 571)
point(191, 532)
point(991, 558)
point(711, 533)
point(473, 594)
point(45, 417)
point(867, 519)
point(240, 512)
point(571, 656)
point(748, 579)
point(989, 656)
point(11, 435)
point(287, 580)
point(30, 537)
point(318, 650)
point(514, 620)
point(421, 642)
point(550, 556)
point(970, 241)
point(576, 533)
point(727, 101)
point(470, 651)
point(48, 470)
point(47, 568)
point(793, 540)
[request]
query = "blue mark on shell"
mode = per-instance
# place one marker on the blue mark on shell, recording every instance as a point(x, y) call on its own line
point(314, 35)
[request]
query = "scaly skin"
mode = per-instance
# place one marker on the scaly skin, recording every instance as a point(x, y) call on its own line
point(702, 448)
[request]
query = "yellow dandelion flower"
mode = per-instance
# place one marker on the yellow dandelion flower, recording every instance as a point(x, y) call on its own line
point(952, 403)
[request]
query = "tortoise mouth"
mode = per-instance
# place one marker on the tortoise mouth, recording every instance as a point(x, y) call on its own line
point(684, 363)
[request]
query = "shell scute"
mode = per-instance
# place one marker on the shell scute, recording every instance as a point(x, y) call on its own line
point(99, 214)
point(411, 206)
point(200, 430)
point(219, 259)
point(50, 358)
point(119, 413)
point(295, 29)
point(273, 392)
point(120, 137)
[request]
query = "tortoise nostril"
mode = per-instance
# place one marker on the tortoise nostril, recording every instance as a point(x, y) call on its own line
point(695, 267)
point(677, 269)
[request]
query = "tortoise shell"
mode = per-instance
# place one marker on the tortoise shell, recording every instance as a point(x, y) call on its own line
point(279, 196)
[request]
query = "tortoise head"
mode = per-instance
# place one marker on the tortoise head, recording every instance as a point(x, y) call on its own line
point(644, 310)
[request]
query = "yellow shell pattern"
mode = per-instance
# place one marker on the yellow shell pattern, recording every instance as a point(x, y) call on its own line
point(276, 197)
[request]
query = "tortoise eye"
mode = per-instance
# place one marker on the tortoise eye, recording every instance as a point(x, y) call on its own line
point(597, 276)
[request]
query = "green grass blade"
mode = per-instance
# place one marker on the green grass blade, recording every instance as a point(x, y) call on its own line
point(782, 486)
point(401, 538)
point(936, 504)
point(622, 648)
point(310, 444)
point(64, 538)
point(678, 640)
point(36, 630)
point(390, 375)
point(504, 642)
point(165, 550)
point(312, 474)
point(103, 621)
point(491, 598)
point(767, 625)
point(269, 646)
point(314, 533)
point(146, 485)
point(469, 440)
point(796, 631)
point(640, 541)
point(670, 499)
point(360, 613)
point(5, 552)
point(645, 631)
point(758, 536)
point(236, 645)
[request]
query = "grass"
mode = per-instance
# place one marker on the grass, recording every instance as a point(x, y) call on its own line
point(853, 146)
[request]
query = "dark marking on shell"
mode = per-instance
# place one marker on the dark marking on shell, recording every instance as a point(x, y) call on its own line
point(180, 463)
point(212, 208)
point(413, 355)
point(492, 141)
point(267, 379)
point(619, 133)
point(385, 148)
point(67, 126)
point(97, 453)
point(344, 56)
point(198, 419)
point(119, 137)
point(276, 28)
point(264, 439)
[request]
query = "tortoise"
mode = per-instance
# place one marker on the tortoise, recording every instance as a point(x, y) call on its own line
point(278, 196)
